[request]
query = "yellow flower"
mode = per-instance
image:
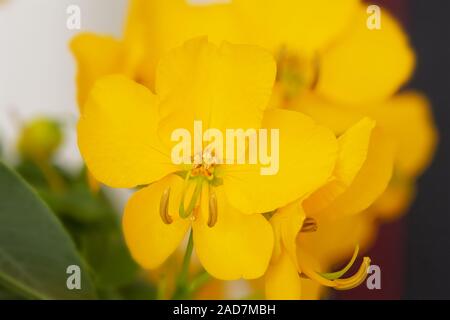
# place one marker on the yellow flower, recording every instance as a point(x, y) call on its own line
point(96, 56)
point(362, 173)
point(324, 52)
point(123, 135)
point(307, 25)
point(154, 27)
point(312, 232)
point(138, 54)
point(101, 55)
point(330, 67)
point(322, 48)
point(291, 262)
point(406, 119)
point(351, 63)
point(358, 77)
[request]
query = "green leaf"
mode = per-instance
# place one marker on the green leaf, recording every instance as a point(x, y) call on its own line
point(35, 250)
point(108, 256)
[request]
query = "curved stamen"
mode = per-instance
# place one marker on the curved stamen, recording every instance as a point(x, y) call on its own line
point(356, 279)
point(313, 275)
point(164, 207)
point(212, 217)
point(340, 273)
point(334, 280)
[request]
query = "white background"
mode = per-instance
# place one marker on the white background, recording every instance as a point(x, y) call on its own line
point(37, 70)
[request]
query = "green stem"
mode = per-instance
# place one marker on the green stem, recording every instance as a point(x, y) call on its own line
point(53, 178)
point(187, 259)
point(199, 281)
point(162, 287)
point(181, 288)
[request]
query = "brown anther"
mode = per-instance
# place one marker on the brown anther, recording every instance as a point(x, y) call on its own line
point(164, 207)
point(212, 217)
point(309, 225)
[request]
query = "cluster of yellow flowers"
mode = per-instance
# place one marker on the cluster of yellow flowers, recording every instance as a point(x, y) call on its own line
point(351, 147)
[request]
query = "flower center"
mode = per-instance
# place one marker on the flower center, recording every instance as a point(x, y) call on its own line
point(201, 174)
point(295, 73)
point(204, 165)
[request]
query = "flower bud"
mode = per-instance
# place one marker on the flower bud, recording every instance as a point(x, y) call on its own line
point(40, 139)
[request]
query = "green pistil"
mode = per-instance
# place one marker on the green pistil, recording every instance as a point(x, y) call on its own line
point(194, 199)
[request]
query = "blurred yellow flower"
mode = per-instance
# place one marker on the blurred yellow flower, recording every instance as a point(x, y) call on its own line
point(406, 119)
point(99, 56)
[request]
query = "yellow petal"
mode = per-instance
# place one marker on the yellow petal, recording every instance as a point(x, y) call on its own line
point(282, 280)
point(353, 153)
point(96, 56)
point(353, 150)
point(311, 290)
point(149, 239)
point(135, 64)
point(237, 246)
point(307, 154)
point(371, 179)
point(301, 25)
point(117, 134)
point(320, 199)
point(366, 65)
point(287, 223)
point(164, 25)
point(225, 87)
point(395, 201)
point(332, 115)
point(408, 120)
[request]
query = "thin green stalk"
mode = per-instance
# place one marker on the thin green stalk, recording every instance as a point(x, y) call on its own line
point(199, 281)
point(197, 192)
point(162, 287)
point(187, 260)
point(181, 287)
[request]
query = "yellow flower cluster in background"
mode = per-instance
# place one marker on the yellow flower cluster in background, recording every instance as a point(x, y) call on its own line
point(351, 144)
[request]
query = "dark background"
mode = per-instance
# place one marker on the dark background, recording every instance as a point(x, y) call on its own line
point(414, 251)
point(428, 223)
